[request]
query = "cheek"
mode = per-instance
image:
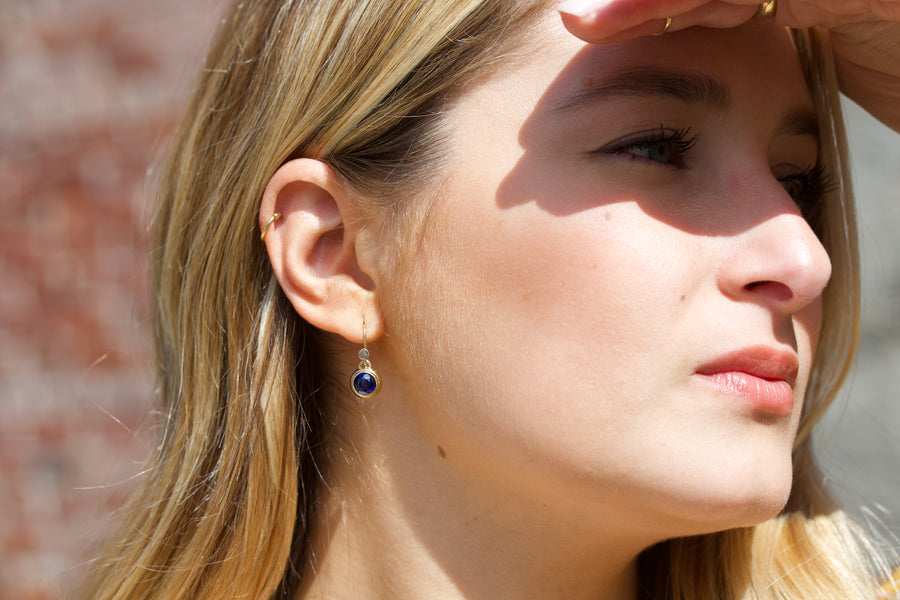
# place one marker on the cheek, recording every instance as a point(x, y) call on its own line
point(807, 329)
point(807, 326)
point(809, 322)
point(536, 280)
point(523, 308)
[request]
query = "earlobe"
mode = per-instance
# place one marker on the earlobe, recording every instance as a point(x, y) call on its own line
point(313, 251)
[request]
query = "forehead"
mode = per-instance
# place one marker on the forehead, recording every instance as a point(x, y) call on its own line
point(756, 62)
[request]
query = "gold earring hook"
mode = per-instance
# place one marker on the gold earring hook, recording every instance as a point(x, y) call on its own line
point(364, 353)
point(364, 382)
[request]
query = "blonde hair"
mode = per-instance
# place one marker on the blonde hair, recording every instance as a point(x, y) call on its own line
point(224, 506)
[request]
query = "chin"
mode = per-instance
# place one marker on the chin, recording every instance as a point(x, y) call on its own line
point(740, 499)
point(739, 508)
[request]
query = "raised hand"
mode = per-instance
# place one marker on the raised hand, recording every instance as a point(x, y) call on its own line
point(865, 35)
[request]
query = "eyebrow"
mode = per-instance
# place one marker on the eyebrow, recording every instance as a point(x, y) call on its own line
point(689, 86)
point(692, 87)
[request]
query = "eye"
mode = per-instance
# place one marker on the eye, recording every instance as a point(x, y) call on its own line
point(660, 146)
point(795, 188)
point(808, 189)
point(663, 151)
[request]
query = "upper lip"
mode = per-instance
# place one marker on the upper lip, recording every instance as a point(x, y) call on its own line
point(765, 362)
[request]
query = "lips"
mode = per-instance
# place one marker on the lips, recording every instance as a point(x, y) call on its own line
point(762, 375)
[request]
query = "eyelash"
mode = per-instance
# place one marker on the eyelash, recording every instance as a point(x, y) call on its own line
point(679, 140)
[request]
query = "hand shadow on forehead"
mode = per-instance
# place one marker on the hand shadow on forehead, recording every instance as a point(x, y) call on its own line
point(528, 180)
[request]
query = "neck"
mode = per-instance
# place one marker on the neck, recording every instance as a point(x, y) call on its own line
point(400, 522)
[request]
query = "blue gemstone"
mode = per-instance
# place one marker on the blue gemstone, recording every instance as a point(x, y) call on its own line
point(364, 383)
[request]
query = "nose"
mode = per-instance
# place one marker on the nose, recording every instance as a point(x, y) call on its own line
point(778, 262)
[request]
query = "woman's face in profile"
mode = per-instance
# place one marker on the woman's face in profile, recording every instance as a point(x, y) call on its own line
point(617, 297)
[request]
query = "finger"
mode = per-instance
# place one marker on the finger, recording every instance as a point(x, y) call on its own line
point(600, 20)
point(717, 14)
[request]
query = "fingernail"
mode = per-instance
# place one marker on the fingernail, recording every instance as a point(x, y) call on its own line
point(582, 8)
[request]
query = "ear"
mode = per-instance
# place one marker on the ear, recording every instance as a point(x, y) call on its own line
point(313, 250)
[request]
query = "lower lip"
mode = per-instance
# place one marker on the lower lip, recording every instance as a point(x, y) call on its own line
point(771, 396)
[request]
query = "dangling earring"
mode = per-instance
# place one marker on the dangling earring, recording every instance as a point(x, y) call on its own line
point(365, 382)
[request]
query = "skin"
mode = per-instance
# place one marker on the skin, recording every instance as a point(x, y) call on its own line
point(542, 419)
point(865, 35)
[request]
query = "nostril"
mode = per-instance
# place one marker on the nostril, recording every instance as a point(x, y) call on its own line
point(773, 289)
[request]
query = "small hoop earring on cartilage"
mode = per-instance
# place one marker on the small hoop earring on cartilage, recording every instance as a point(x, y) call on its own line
point(766, 9)
point(265, 229)
point(364, 382)
point(665, 27)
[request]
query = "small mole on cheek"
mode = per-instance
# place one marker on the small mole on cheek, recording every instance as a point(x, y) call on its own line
point(441, 452)
point(682, 297)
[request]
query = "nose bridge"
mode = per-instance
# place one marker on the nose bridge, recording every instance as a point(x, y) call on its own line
point(778, 261)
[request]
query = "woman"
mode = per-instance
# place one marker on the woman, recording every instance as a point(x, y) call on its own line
point(530, 317)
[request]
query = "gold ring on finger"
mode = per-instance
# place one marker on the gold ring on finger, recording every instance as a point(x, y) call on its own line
point(766, 9)
point(665, 27)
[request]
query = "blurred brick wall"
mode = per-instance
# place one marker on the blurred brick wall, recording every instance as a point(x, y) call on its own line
point(89, 92)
